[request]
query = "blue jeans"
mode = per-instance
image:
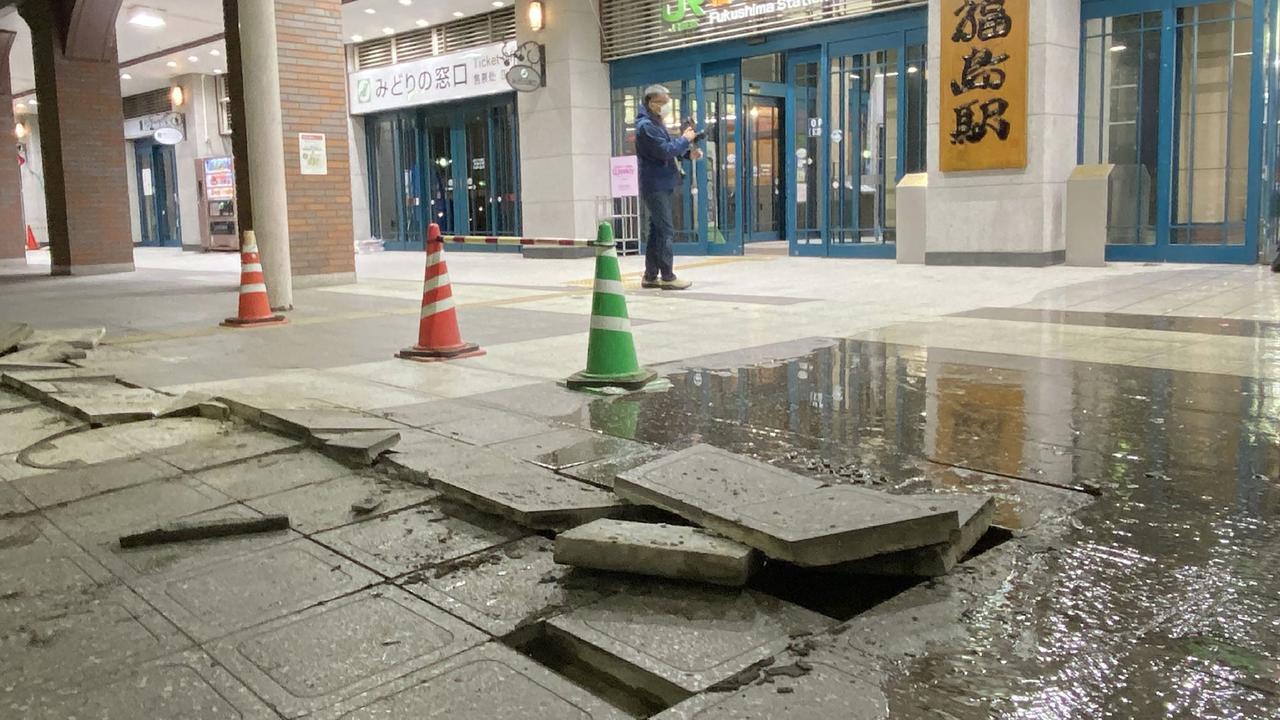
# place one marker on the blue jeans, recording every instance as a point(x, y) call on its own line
point(658, 258)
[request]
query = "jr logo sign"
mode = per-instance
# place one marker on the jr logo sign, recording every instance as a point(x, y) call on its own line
point(682, 15)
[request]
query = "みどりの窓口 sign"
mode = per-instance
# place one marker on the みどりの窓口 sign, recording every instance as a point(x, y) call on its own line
point(983, 85)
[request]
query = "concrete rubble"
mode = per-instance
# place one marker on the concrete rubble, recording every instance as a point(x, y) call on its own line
point(662, 550)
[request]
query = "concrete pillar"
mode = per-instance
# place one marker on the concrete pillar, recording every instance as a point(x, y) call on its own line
point(1088, 209)
point(1011, 217)
point(13, 233)
point(83, 148)
point(264, 130)
point(911, 220)
point(565, 137)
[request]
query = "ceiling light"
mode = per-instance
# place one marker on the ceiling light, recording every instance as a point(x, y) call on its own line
point(147, 18)
point(126, 76)
point(423, 23)
point(459, 13)
point(406, 3)
point(370, 11)
point(357, 38)
point(193, 58)
point(171, 64)
point(388, 31)
point(498, 3)
point(215, 52)
point(1119, 47)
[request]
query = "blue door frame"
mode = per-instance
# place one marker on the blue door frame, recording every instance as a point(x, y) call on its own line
point(1164, 249)
point(693, 65)
point(161, 224)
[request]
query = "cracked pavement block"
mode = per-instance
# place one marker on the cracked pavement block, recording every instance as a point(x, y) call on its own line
point(304, 424)
point(490, 681)
point(64, 486)
point(236, 593)
point(29, 382)
point(269, 474)
point(681, 553)
point(505, 588)
point(470, 423)
point(826, 691)
point(189, 685)
point(359, 448)
point(310, 660)
point(327, 505)
point(419, 537)
point(675, 640)
point(975, 513)
point(110, 404)
point(116, 441)
point(12, 400)
point(603, 473)
point(562, 449)
point(236, 444)
point(24, 427)
point(83, 338)
point(136, 508)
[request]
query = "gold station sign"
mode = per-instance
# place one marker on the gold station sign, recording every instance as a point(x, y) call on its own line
point(983, 85)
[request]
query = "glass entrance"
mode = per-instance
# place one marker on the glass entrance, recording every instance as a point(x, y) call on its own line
point(1169, 97)
point(157, 181)
point(765, 176)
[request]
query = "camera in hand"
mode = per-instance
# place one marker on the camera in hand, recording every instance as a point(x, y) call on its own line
point(689, 124)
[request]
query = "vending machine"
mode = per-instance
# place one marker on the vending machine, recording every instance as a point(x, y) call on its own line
point(217, 186)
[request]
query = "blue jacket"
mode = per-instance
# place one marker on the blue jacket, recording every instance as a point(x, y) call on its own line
point(656, 151)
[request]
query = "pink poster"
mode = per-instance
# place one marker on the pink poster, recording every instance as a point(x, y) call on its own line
point(624, 175)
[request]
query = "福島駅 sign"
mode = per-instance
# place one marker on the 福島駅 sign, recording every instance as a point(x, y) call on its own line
point(442, 78)
point(688, 15)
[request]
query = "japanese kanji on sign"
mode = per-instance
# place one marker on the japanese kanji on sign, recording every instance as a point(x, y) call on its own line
point(983, 85)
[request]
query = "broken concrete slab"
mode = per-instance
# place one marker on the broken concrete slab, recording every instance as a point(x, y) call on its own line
point(784, 515)
point(673, 641)
point(230, 445)
point(323, 655)
point(326, 505)
point(509, 587)
point(189, 685)
point(270, 474)
point(419, 537)
point(24, 427)
point(358, 448)
point(13, 502)
point(975, 513)
point(116, 441)
point(37, 383)
point(12, 334)
point(825, 692)
point(490, 481)
point(603, 473)
point(194, 404)
point(490, 681)
point(42, 354)
point(64, 486)
point(681, 553)
point(191, 530)
point(82, 338)
point(307, 424)
point(220, 598)
point(103, 404)
point(12, 401)
point(562, 449)
point(468, 422)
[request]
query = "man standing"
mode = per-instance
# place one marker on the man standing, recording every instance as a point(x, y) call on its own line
point(658, 153)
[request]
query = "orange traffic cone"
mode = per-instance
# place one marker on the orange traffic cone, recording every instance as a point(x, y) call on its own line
point(438, 334)
point(31, 240)
point(254, 308)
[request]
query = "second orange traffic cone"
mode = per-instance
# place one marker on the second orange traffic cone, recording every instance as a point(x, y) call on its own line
point(255, 311)
point(31, 240)
point(438, 335)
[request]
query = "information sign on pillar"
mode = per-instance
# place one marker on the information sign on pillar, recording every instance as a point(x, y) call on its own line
point(983, 85)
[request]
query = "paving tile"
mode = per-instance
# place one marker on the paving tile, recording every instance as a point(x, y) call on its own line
point(237, 593)
point(825, 692)
point(21, 428)
point(237, 444)
point(90, 634)
point(784, 515)
point(570, 447)
point(42, 570)
point(11, 400)
point(469, 422)
point(117, 441)
point(490, 681)
point(304, 424)
point(101, 404)
point(676, 640)
point(358, 448)
point(134, 509)
point(316, 658)
point(12, 469)
point(270, 474)
point(418, 537)
point(12, 501)
point(323, 506)
point(506, 588)
point(975, 514)
point(188, 685)
point(603, 473)
point(660, 550)
point(64, 486)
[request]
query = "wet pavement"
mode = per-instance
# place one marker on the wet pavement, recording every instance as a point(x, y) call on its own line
point(1142, 504)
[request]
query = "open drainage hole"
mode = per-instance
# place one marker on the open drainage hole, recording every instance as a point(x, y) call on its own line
point(626, 687)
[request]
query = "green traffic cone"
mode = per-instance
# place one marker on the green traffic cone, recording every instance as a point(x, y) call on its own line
point(611, 352)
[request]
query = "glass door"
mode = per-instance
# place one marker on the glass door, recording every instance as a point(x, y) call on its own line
point(721, 171)
point(863, 148)
point(765, 176)
point(807, 128)
point(412, 204)
point(157, 182)
point(1171, 97)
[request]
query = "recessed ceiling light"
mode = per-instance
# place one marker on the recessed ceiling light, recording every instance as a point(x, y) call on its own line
point(459, 13)
point(215, 52)
point(32, 102)
point(406, 3)
point(22, 106)
point(218, 71)
point(369, 11)
point(126, 76)
point(193, 58)
point(171, 64)
point(388, 31)
point(422, 23)
point(498, 3)
point(146, 17)
point(357, 38)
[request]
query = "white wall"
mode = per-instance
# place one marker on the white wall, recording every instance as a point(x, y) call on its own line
point(203, 140)
point(359, 178)
point(33, 201)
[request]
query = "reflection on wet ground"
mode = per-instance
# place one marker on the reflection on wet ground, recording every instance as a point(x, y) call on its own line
point(1159, 597)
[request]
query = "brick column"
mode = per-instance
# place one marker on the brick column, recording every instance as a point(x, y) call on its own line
point(12, 228)
point(81, 138)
